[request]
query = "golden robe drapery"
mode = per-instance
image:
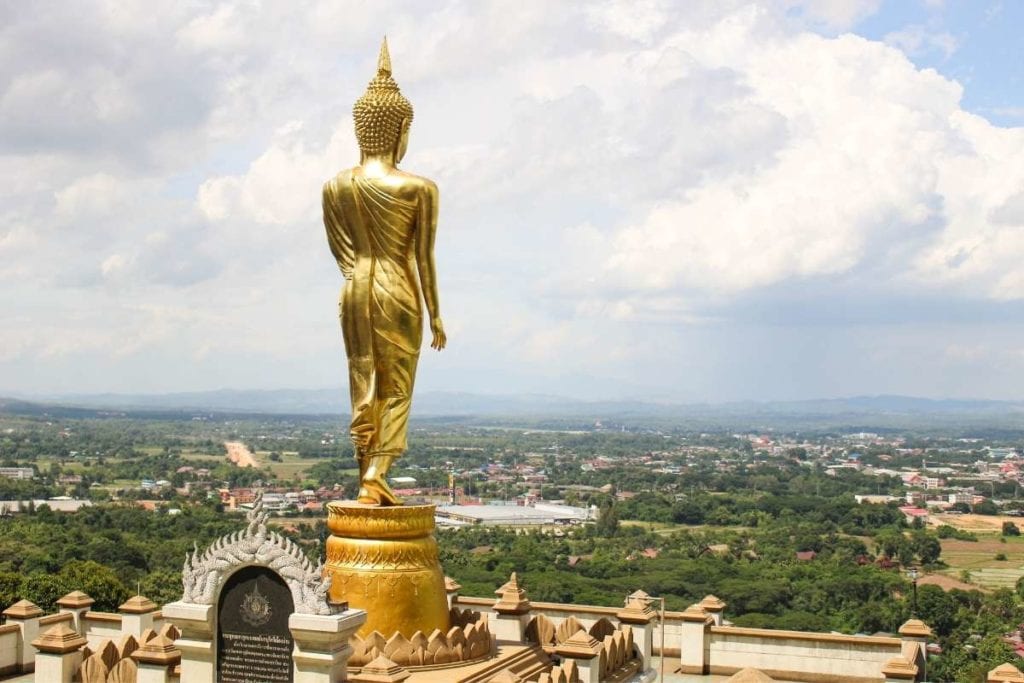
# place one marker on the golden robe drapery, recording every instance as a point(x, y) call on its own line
point(371, 234)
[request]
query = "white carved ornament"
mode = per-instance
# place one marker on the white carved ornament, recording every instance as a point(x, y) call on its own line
point(204, 575)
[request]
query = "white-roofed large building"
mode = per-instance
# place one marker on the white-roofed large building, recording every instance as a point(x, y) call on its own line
point(512, 515)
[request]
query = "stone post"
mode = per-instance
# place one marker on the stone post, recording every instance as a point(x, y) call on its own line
point(381, 670)
point(639, 616)
point(26, 616)
point(899, 670)
point(137, 616)
point(60, 654)
point(917, 632)
point(451, 589)
point(583, 649)
point(196, 642)
point(76, 604)
point(512, 611)
point(155, 660)
point(321, 644)
point(695, 641)
point(713, 606)
point(1005, 673)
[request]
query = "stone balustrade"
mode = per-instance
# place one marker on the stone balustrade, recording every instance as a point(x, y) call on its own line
point(587, 643)
point(25, 616)
point(77, 643)
point(10, 647)
point(701, 642)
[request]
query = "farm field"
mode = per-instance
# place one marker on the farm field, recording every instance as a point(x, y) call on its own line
point(194, 456)
point(656, 527)
point(948, 583)
point(974, 523)
point(291, 467)
point(669, 528)
point(978, 558)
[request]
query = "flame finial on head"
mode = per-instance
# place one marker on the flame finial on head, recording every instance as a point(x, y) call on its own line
point(384, 60)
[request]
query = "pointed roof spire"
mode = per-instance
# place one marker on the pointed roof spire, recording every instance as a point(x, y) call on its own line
point(512, 598)
point(384, 60)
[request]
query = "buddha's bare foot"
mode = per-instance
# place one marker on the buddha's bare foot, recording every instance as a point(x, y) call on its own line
point(374, 489)
point(374, 493)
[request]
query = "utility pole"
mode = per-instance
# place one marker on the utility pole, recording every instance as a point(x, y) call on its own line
point(912, 573)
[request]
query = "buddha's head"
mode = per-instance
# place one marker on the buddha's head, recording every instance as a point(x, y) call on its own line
point(382, 115)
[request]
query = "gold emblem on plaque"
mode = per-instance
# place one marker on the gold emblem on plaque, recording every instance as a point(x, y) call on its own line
point(255, 609)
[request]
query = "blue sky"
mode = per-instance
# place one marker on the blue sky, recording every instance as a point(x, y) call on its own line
point(979, 46)
point(701, 201)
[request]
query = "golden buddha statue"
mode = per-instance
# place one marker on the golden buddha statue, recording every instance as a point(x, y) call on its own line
point(380, 225)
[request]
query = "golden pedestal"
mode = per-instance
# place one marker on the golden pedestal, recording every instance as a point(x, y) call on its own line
point(385, 560)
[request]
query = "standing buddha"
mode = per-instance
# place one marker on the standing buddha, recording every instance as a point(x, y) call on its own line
point(381, 224)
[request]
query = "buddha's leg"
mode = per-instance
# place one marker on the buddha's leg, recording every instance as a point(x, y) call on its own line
point(362, 380)
point(363, 428)
point(393, 405)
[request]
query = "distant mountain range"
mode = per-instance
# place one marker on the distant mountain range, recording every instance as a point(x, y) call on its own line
point(857, 410)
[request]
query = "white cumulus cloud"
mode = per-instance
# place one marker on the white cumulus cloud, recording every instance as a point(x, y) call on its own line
point(636, 197)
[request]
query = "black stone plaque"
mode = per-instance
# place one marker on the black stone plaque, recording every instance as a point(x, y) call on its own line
point(254, 644)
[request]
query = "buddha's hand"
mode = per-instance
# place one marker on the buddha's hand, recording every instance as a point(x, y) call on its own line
point(437, 329)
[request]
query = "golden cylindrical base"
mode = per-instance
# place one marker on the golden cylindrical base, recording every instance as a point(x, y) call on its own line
point(385, 560)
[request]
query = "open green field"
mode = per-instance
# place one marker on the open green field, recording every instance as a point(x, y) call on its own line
point(291, 467)
point(669, 528)
point(67, 465)
point(656, 527)
point(979, 559)
point(199, 455)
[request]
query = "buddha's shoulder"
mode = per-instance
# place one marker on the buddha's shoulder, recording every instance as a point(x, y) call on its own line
point(342, 178)
point(403, 184)
point(416, 182)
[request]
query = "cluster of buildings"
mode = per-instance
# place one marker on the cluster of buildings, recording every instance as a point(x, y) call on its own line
point(277, 499)
point(929, 489)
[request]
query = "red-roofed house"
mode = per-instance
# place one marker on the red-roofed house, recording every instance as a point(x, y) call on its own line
point(912, 512)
